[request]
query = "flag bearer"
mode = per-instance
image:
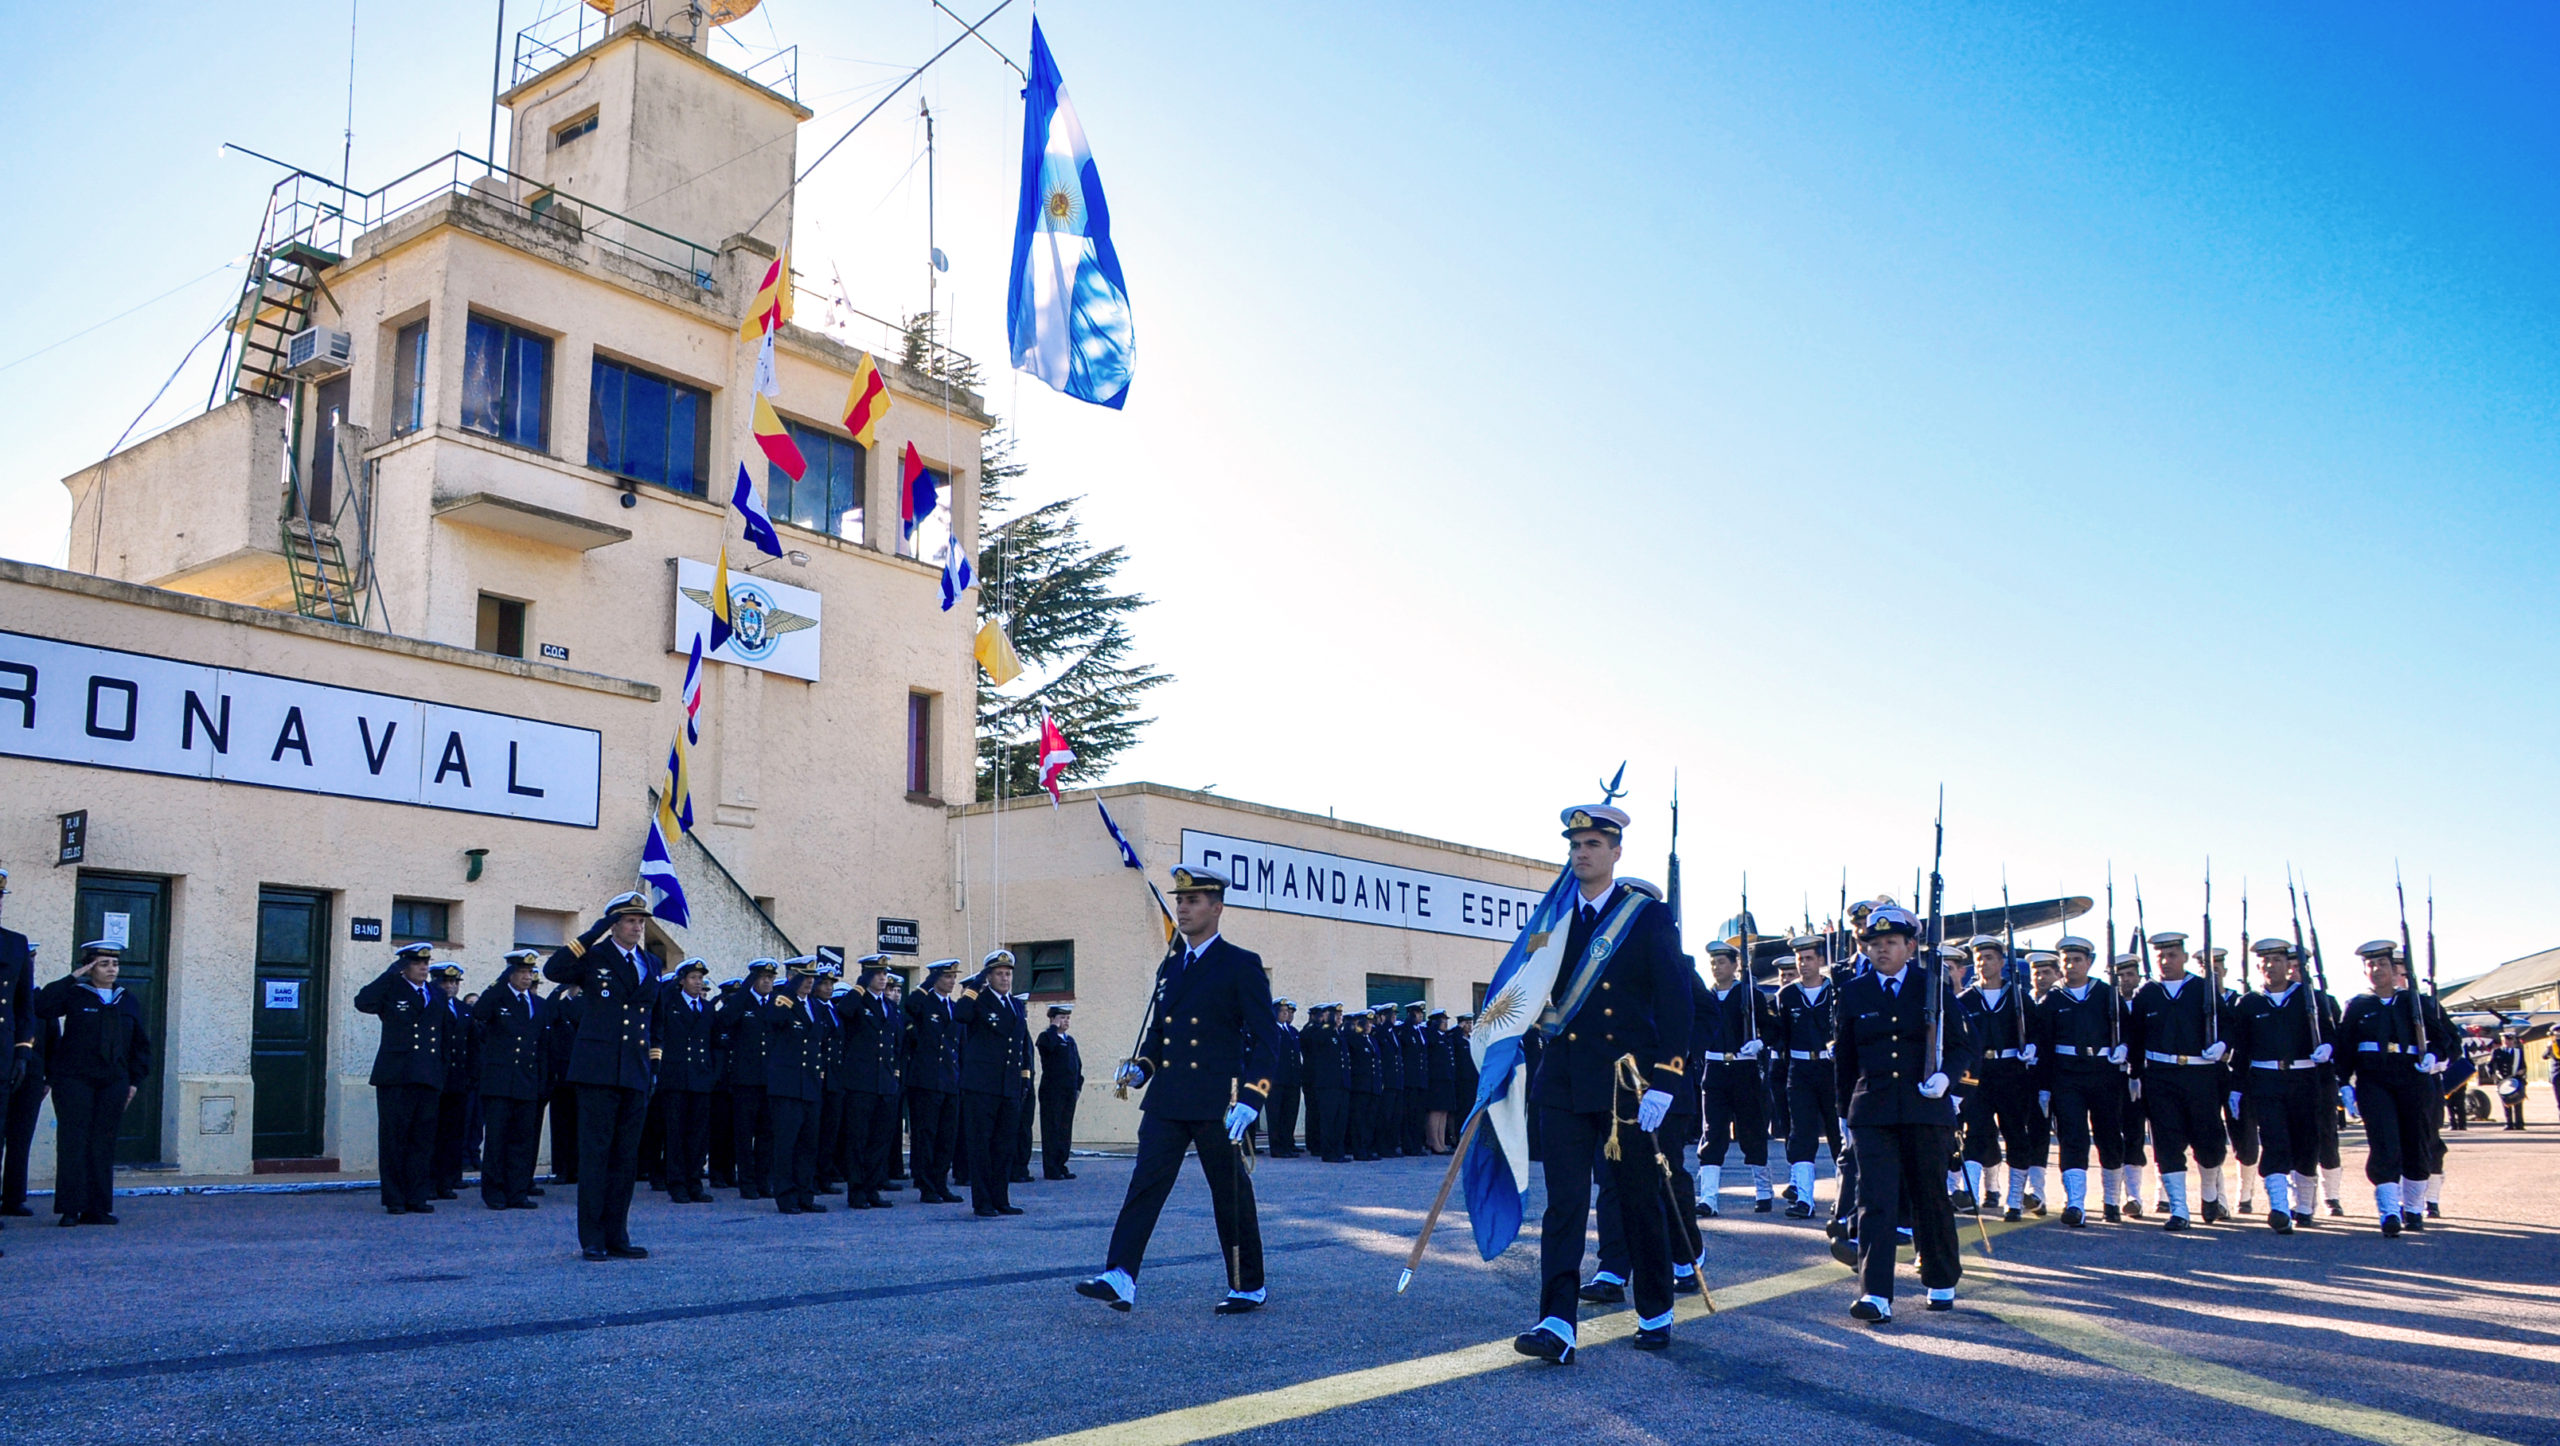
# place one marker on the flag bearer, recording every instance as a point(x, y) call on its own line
point(99, 1057)
point(1617, 1052)
point(1895, 1077)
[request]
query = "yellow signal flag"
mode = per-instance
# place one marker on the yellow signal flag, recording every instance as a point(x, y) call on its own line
point(771, 309)
point(996, 655)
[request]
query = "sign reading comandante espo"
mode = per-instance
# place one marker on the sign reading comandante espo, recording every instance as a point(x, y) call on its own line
point(105, 708)
point(1330, 886)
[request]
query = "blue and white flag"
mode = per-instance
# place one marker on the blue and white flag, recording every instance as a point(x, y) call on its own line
point(658, 876)
point(1496, 1169)
point(1069, 311)
point(956, 575)
point(1128, 855)
point(759, 526)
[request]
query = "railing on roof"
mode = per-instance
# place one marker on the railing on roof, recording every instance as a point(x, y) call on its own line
point(312, 208)
point(562, 34)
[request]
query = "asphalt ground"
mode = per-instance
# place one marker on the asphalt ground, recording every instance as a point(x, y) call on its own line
point(264, 1318)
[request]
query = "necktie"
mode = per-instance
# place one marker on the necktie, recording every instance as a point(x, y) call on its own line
point(1590, 916)
point(1893, 987)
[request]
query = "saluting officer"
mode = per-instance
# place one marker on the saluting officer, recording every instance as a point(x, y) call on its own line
point(2173, 1040)
point(2394, 1058)
point(932, 1079)
point(2080, 1078)
point(742, 1044)
point(688, 1068)
point(1728, 1041)
point(874, 1048)
point(2277, 1050)
point(1363, 1078)
point(1287, 1079)
point(796, 1036)
point(461, 1075)
point(1417, 1082)
point(1895, 1079)
point(99, 1057)
point(1061, 1081)
point(511, 1022)
point(609, 1067)
point(1205, 1063)
point(408, 1076)
point(1326, 1085)
point(1387, 1127)
point(995, 1081)
point(1621, 959)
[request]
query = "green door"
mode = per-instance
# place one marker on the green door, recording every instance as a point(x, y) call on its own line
point(135, 909)
point(287, 1032)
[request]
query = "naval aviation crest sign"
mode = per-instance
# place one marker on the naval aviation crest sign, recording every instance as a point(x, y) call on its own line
point(773, 625)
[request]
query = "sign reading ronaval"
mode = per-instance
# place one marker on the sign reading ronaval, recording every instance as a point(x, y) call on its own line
point(772, 625)
point(1330, 886)
point(103, 708)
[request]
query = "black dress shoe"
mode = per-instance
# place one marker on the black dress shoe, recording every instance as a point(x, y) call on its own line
point(2412, 1220)
point(2174, 1223)
point(537, 1190)
point(1868, 1311)
point(785, 1207)
point(2072, 1216)
point(1936, 1304)
point(1544, 1344)
point(879, 1201)
point(1654, 1339)
point(1235, 1305)
point(1799, 1210)
point(2390, 1225)
point(627, 1252)
point(2035, 1205)
point(1845, 1250)
point(444, 1194)
point(986, 1212)
point(524, 1204)
point(495, 1204)
point(2280, 1222)
point(387, 1210)
point(1604, 1292)
point(70, 1220)
point(422, 1208)
point(2302, 1219)
point(1008, 1210)
point(20, 1211)
point(1763, 1206)
point(1706, 1211)
point(2115, 1213)
point(813, 1208)
point(1100, 1289)
point(1685, 1284)
point(2214, 1214)
point(99, 1217)
point(2069, 1212)
point(2337, 1210)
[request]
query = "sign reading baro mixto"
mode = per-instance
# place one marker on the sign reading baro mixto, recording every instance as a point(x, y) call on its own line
point(1330, 886)
point(103, 708)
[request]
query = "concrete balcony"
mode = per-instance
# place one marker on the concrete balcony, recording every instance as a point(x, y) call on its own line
point(197, 509)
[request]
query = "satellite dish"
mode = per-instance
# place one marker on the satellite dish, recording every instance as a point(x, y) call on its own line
point(940, 261)
point(717, 12)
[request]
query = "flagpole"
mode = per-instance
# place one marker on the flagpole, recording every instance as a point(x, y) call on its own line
point(1422, 1242)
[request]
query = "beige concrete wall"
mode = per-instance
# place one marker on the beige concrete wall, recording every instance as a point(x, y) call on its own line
point(197, 508)
point(1061, 878)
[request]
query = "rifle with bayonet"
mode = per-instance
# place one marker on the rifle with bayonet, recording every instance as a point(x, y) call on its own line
point(2213, 985)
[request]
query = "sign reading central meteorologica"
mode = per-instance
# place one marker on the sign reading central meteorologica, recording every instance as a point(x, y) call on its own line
point(106, 708)
point(1330, 886)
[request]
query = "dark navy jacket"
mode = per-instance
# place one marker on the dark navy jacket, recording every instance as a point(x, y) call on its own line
point(1881, 1049)
point(688, 1043)
point(413, 1024)
point(1320, 1057)
point(17, 993)
point(1639, 1007)
point(741, 1048)
point(1213, 1042)
point(875, 1031)
point(97, 1041)
point(1288, 1064)
point(612, 1042)
point(795, 1033)
point(1061, 1066)
point(995, 1052)
point(512, 1040)
point(933, 1043)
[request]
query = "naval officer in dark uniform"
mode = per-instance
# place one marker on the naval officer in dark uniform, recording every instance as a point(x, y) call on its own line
point(685, 1048)
point(609, 1067)
point(1901, 1123)
point(512, 1023)
point(1061, 1081)
point(1205, 1062)
point(408, 1076)
point(995, 1082)
point(100, 1055)
point(1634, 1012)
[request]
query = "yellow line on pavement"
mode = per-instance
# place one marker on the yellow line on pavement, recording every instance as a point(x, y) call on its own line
point(2110, 1347)
point(1326, 1393)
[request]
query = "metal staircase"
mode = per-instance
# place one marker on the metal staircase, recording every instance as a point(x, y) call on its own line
point(276, 304)
point(323, 585)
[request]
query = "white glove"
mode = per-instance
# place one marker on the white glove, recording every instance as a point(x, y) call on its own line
point(2116, 1055)
point(1240, 1119)
point(1934, 1087)
point(2429, 1064)
point(2027, 1056)
point(2347, 1101)
point(2235, 1104)
point(2135, 1086)
point(1958, 1102)
point(2044, 1102)
point(1129, 1076)
point(1750, 1050)
point(1651, 1109)
point(2214, 1052)
point(2321, 1054)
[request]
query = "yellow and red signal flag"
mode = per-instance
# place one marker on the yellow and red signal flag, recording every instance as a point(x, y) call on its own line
point(866, 403)
point(775, 439)
point(771, 310)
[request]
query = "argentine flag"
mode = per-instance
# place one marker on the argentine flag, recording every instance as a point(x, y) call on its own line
point(1496, 1169)
point(1069, 311)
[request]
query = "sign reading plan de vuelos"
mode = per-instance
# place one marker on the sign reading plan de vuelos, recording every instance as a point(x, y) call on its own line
point(1330, 886)
point(99, 707)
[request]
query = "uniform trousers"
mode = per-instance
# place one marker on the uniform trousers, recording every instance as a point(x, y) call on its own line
point(653, 1142)
point(753, 1128)
point(1576, 1143)
point(24, 1103)
point(1997, 1115)
point(1773, 1101)
point(2184, 1103)
point(563, 1104)
point(1161, 1145)
point(453, 1120)
point(1058, 1133)
point(1902, 1176)
point(608, 1163)
point(835, 1140)
point(2088, 1105)
point(1283, 1116)
point(2328, 1118)
point(1417, 1118)
point(688, 1122)
point(989, 1125)
point(2135, 1127)
point(723, 1137)
point(87, 1114)
point(511, 1135)
point(870, 1142)
point(1733, 1114)
point(1329, 1123)
point(2283, 1105)
point(405, 1134)
point(793, 1181)
point(1675, 1133)
point(2393, 1101)
point(1813, 1110)
point(933, 1118)
point(1358, 1134)
point(2242, 1125)
point(1021, 1156)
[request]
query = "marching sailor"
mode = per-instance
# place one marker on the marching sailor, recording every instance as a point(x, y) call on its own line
point(2506, 1066)
point(1617, 1044)
point(1804, 1018)
point(2394, 1061)
point(1205, 1061)
point(2125, 976)
point(2277, 1050)
point(1997, 1112)
point(1895, 1076)
point(1729, 1021)
point(2174, 1040)
point(2077, 1032)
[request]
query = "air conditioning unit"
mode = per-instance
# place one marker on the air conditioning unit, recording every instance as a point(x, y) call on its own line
point(319, 352)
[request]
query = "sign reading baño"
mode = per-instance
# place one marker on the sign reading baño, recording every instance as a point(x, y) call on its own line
point(773, 625)
point(71, 703)
point(1330, 886)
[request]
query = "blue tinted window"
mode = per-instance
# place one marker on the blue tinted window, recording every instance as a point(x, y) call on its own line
point(648, 428)
point(506, 377)
point(828, 498)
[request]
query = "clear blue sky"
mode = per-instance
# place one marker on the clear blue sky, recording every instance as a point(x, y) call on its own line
point(2143, 423)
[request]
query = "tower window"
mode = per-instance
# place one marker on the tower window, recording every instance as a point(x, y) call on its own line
point(574, 129)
